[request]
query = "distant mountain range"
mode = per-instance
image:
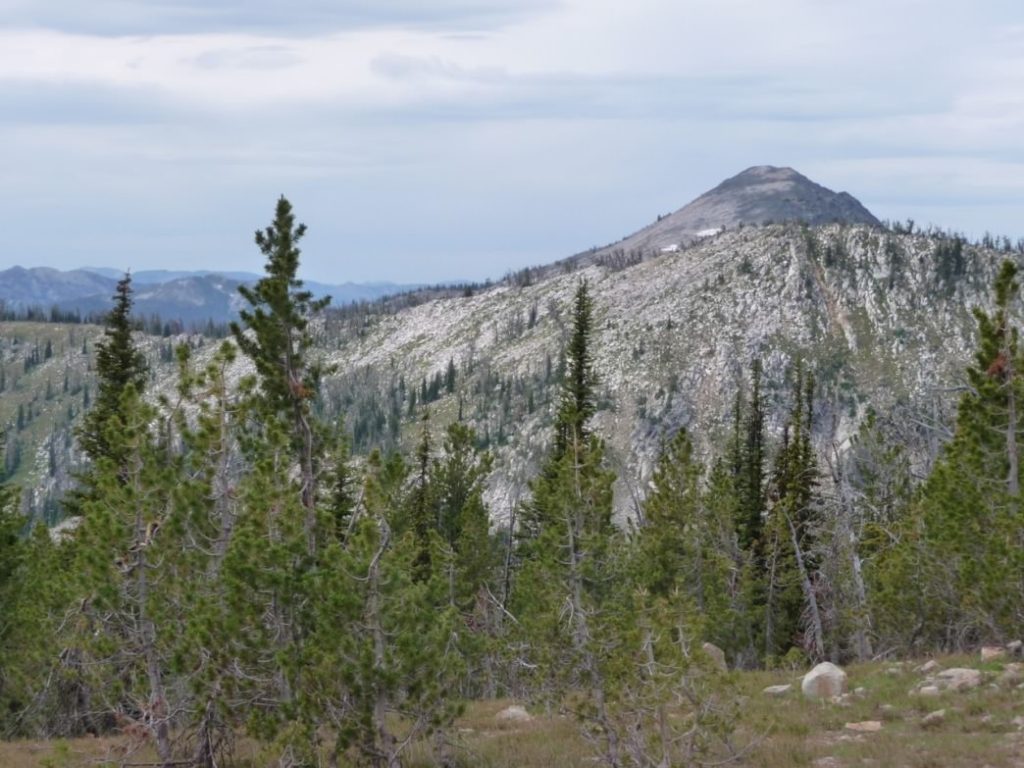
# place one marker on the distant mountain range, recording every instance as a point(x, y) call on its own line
point(191, 297)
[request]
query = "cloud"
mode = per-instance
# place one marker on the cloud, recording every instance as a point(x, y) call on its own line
point(303, 17)
point(484, 135)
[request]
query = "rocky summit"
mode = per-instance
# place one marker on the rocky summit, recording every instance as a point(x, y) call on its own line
point(762, 194)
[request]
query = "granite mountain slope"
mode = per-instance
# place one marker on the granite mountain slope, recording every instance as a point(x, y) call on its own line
point(882, 319)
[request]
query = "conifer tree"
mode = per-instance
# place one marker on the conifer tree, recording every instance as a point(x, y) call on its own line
point(578, 396)
point(687, 541)
point(126, 627)
point(274, 333)
point(751, 479)
point(790, 564)
point(966, 540)
point(119, 365)
point(423, 507)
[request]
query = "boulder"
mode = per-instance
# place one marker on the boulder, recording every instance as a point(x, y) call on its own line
point(928, 667)
point(825, 681)
point(514, 714)
point(717, 656)
point(777, 690)
point(1016, 648)
point(934, 719)
point(992, 652)
point(957, 679)
point(927, 690)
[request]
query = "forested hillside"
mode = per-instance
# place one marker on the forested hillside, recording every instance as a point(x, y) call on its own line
point(593, 493)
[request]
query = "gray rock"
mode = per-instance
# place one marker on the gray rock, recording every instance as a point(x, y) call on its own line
point(957, 679)
point(777, 690)
point(825, 681)
point(934, 719)
point(514, 714)
point(717, 655)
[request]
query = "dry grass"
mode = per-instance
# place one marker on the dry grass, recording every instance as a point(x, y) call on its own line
point(978, 730)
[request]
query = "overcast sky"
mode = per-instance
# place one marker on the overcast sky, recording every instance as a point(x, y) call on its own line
point(425, 140)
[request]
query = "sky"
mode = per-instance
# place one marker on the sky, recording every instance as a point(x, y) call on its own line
point(435, 140)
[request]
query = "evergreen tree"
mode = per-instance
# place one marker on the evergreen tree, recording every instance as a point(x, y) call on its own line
point(274, 333)
point(119, 365)
point(790, 564)
point(751, 479)
point(965, 542)
point(423, 507)
point(126, 626)
point(578, 399)
point(688, 542)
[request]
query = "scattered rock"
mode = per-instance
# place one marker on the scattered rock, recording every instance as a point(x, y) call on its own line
point(717, 655)
point(893, 671)
point(1019, 722)
point(825, 681)
point(957, 679)
point(514, 714)
point(867, 726)
point(934, 719)
point(827, 762)
point(1015, 648)
point(992, 652)
point(928, 667)
point(777, 690)
point(860, 691)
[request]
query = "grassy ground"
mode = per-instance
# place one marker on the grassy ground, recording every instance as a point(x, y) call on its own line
point(978, 729)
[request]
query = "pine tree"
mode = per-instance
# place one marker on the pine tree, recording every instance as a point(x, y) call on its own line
point(560, 592)
point(423, 505)
point(119, 365)
point(968, 531)
point(274, 333)
point(687, 541)
point(790, 564)
point(126, 627)
point(578, 398)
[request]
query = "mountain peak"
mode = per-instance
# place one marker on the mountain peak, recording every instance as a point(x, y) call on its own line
point(757, 195)
point(773, 172)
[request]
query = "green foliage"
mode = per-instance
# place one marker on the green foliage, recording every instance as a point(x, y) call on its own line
point(578, 400)
point(119, 365)
point(964, 542)
point(790, 548)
